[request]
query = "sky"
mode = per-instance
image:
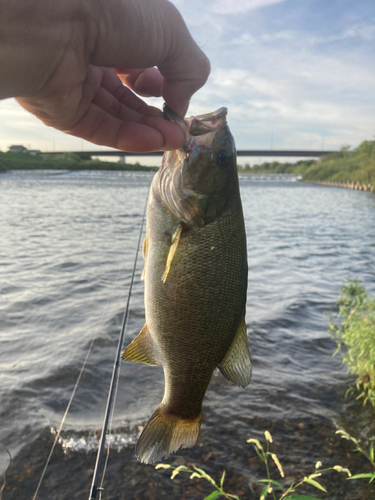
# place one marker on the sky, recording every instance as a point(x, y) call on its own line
point(294, 74)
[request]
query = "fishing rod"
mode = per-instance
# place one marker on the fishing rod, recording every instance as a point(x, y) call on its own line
point(112, 391)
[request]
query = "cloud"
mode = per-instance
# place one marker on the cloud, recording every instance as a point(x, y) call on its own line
point(17, 126)
point(300, 69)
point(242, 6)
point(361, 32)
point(300, 106)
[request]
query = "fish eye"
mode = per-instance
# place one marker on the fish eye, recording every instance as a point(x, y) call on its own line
point(223, 157)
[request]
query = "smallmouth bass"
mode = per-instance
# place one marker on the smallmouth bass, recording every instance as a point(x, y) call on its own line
point(195, 281)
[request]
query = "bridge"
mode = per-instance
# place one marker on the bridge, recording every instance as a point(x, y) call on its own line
point(242, 152)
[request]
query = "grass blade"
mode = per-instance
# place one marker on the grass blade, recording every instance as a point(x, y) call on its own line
point(212, 496)
point(371, 451)
point(314, 483)
point(367, 475)
point(222, 480)
point(265, 491)
point(271, 481)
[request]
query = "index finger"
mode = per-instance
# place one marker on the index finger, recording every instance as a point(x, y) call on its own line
point(152, 34)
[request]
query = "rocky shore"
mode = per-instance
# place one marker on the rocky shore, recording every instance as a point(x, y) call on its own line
point(359, 186)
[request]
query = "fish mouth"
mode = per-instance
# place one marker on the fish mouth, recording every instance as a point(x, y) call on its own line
point(199, 130)
point(210, 122)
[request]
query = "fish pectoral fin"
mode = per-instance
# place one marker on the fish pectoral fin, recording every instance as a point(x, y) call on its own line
point(144, 252)
point(236, 365)
point(172, 251)
point(142, 349)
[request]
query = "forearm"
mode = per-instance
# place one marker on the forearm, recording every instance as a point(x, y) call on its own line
point(34, 37)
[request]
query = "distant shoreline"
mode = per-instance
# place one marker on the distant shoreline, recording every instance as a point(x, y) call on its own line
point(347, 169)
point(116, 168)
point(67, 161)
point(353, 169)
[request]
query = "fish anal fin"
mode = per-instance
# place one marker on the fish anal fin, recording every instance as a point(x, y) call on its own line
point(142, 349)
point(236, 364)
point(165, 433)
point(144, 253)
point(172, 251)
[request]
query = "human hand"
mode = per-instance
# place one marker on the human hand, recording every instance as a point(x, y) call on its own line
point(64, 75)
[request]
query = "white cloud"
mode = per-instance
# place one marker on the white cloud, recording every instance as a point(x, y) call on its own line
point(241, 6)
point(301, 74)
point(17, 126)
point(361, 31)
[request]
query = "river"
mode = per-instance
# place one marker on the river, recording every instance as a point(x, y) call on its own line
point(68, 242)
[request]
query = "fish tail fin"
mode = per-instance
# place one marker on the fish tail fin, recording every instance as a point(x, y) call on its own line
point(166, 433)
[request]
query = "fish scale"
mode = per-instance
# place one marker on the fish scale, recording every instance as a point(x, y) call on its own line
point(195, 282)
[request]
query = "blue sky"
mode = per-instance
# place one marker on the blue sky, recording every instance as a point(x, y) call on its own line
point(301, 72)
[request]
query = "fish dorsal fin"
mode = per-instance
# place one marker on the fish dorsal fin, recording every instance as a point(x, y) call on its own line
point(142, 349)
point(172, 251)
point(144, 252)
point(236, 365)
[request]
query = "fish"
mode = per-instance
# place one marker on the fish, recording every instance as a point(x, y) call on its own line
point(195, 277)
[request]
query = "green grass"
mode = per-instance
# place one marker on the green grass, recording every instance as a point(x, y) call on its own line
point(272, 489)
point(65, 161)
point(357, 165)
point(346, 166)
point(357, 333)
point(274, 167)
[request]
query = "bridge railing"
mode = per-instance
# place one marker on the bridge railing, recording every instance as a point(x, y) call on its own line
point(242, 152)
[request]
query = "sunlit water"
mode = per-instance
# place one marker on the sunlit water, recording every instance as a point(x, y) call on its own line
point(68, 242)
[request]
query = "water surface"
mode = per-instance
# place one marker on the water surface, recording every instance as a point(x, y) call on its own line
point(68, 242)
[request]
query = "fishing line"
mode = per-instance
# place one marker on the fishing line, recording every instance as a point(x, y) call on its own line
point(57, 435)
point(5, 472)
point(58, 432)
point(101, 488)
point(112, 393)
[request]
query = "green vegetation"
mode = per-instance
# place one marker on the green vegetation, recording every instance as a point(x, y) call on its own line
point(201, 474)
point(274, 167)
point(288, 493)
point(345, 166)
point(274, 489)
point(357, 333)
point(65, 161)
point(369, 455)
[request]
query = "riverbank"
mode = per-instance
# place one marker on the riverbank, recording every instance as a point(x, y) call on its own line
point(66, 161)
point(348, 169)
point(358, 186)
